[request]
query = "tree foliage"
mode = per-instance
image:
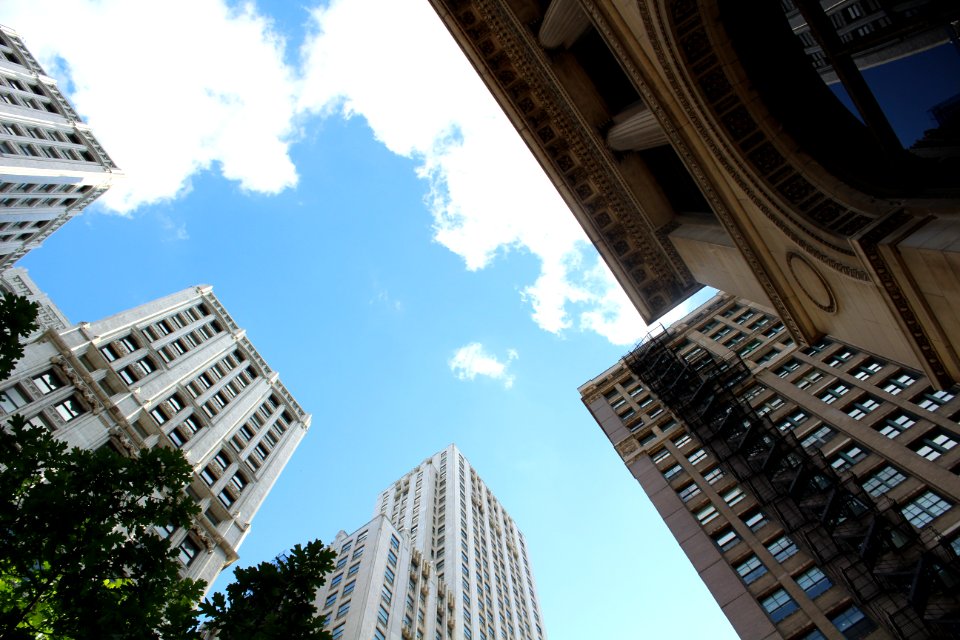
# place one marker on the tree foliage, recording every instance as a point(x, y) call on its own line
point(18, 319)
point(80, 554)
point(273, 600)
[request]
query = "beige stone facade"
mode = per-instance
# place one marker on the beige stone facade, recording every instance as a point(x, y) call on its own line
point(440, 560)
point(833, 503)
point(697, 144)
point(179, 373)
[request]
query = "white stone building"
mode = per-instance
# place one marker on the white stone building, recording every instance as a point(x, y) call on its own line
point(51, 165)
point(176, 372)
point(440, 559)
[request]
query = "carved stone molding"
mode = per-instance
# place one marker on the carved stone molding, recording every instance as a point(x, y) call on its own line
point(729, 158)
point(577, 154)
point(869, 244)
point(718, 205)
point(813, 285)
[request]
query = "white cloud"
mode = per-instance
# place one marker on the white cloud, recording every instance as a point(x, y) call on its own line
point(170, 88)
point(422, 99)
point(472, 360)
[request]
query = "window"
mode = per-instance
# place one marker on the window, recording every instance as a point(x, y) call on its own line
point(11, 399)
point(883, 480)
point(813, 582)
point(660, 456)
point(344, 608)
point(750, 569)
point(726, 539)
point(69, 409)
point(382, 616)
point(337, 633)
point(840, 357)
point(188, 550)
point(858, 410)
point(683, 440)
point(755, 520)
point(734, 496)
point(330, 600)
point(793, 421)
point(821, 346)
point(47, 382)
point(713, 475)
point(353, 570)
point(896, 423)
point(818, 437)
point(697, 456)
point(831, 395)
point(922, 510)
point(336, 580)
point(933, 401)
point(867, 369)
point(672, 471)
point(852, 623)
point(898, 382)
point(688, 492)
point(349, 587)
point(848, 457)
point(934, 444)
point(778, 605)
point(808, 379)
point(782, 548)
point(707, 514)
point(391, 557)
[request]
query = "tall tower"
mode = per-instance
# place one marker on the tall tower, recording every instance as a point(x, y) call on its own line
point(178, 373)
point(813, 489)
point(51, 165)
point(440, 559)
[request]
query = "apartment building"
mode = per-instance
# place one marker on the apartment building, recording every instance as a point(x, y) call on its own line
point(175, 372)
point(811, 487)
point(441, 558)
point(51, 165)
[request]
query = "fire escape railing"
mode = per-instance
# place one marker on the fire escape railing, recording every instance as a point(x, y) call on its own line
point(908, 580)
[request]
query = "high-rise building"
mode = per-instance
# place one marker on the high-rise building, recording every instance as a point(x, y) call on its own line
point(812, 488)
point(176, 372)
point(440, 559)
point(698, 143)
point(51, 165)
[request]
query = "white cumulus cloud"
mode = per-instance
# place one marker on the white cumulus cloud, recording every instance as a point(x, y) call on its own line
point(472, 360)
point(170, 88)
point(403, 73)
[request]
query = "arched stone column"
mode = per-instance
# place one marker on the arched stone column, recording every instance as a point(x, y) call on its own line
point(563, 23)
point(635, 130)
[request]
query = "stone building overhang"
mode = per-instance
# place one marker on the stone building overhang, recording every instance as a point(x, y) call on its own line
point(504, 49)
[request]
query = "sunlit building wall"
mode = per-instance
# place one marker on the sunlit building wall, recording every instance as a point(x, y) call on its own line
point(876, 435)
point(440, 559)
point(176, 372)
point(51, 165)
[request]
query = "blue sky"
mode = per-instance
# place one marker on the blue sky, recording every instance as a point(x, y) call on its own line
point(391, 249)
point(364, 211)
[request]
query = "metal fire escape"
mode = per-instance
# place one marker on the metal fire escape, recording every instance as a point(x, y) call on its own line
point(907, 581)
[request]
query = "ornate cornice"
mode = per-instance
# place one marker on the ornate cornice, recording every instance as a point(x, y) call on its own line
point(870, 244)
point(769, 171)
point(689, 159)
point(512, 59)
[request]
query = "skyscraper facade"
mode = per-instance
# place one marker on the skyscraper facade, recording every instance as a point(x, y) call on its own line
point(440, 559)
point(813, 488)
point(697, 143)
point(51, 165)
point(176, 372)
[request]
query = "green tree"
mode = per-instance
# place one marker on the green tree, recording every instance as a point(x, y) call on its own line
point(273, 600)
point(18, 319)
point(80, 556)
